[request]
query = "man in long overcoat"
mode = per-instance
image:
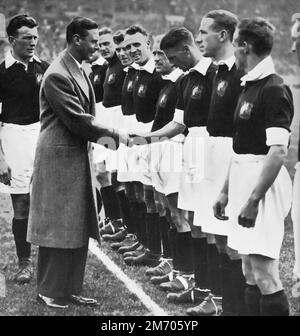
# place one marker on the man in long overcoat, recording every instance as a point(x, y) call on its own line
point(63, 213)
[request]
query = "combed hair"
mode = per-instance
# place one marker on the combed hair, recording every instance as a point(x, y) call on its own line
point(259, 33)
point(105, 30)
point(134, 29)
point(79, 25)
point(19, 21)
point(176, 36)
point(118, 36)
point(223, 20)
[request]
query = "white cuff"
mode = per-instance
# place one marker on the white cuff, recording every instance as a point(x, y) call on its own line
point(179, 116)
point(277, 136)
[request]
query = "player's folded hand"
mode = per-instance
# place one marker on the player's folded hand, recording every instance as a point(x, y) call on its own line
point(248, 214)
point(220, 206)
point(5, 173)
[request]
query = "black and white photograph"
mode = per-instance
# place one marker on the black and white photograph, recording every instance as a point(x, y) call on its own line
point(149, 160)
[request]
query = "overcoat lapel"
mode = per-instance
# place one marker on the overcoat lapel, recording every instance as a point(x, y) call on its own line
point(76, 73)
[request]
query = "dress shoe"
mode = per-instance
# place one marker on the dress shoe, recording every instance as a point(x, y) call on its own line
point(192, 295)
point(24, 273)
point(180, 283)
point(116, 237)
point(82, 301)
point(112, 227)
point(129, 248)
point(211, 306)
point(145, 259)
point(164, 267)
point(51, 302)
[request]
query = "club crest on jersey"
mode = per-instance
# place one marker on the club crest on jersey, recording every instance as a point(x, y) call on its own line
point(130, 86)
point(163, 101)
point(142, 90)
point(96, 79)
point(221, 88)
point(39, 78)
point(245, 110)
point(197, 92)
point(111, 78)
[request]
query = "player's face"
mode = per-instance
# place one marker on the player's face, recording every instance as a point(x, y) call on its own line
point(137, 45)
point(107, 46)
point(162, 63)
point(179, 57)
point(295, 34)
point(24, 43)
point(208, 39)
point(89, 45)
point(123, 54)
point(239, 51)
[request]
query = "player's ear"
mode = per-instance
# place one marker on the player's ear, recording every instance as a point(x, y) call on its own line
point(223, 35)
point(186, 50)
point(247, 48)
point(76, 39)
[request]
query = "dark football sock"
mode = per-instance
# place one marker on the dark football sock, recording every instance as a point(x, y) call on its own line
point(164, 228)
point(141, 224)
point(98, 200)
point(172, 233)
point(184, 252)
point(19, 229)
point(134, 209)
point(228, 301)
point(275, 304)
point(214, 270)
point(153, 232)
point(238, 283)
point(125, 210)
point(110, 202)
point(200, 262)
point(252, 300)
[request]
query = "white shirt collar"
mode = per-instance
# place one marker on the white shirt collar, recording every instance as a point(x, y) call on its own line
point(99, 61)
point(78, 64)
point(229, 62)
point(263, 69)
point(202, 66)
point(173, 76)
point(149, 66)
point(133, 65)
point(10, 60)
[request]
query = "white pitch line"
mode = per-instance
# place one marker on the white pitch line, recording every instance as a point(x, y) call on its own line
point(130, 284)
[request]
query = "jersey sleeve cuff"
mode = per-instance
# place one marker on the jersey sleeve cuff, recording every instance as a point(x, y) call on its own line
point(277, 136)
point(178, 116)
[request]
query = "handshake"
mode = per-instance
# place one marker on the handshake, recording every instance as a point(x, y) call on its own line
point(131, 139)
point(127, 139)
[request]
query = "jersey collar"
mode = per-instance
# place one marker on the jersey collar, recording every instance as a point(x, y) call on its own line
point(10, 60)
point(263, 69)
point(229, 62)
point(149, 66)
point(202, 66)
point(173, 76)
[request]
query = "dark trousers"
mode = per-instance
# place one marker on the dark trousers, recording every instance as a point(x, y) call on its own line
point(60, 272)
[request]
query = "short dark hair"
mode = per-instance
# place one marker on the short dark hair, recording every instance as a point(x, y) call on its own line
point(223, 20)
point(176, 36)
point(19, 21)
point(105, 30)
point(134, 29)
point(118, 36)
point(259, 33)
point(79, 25)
